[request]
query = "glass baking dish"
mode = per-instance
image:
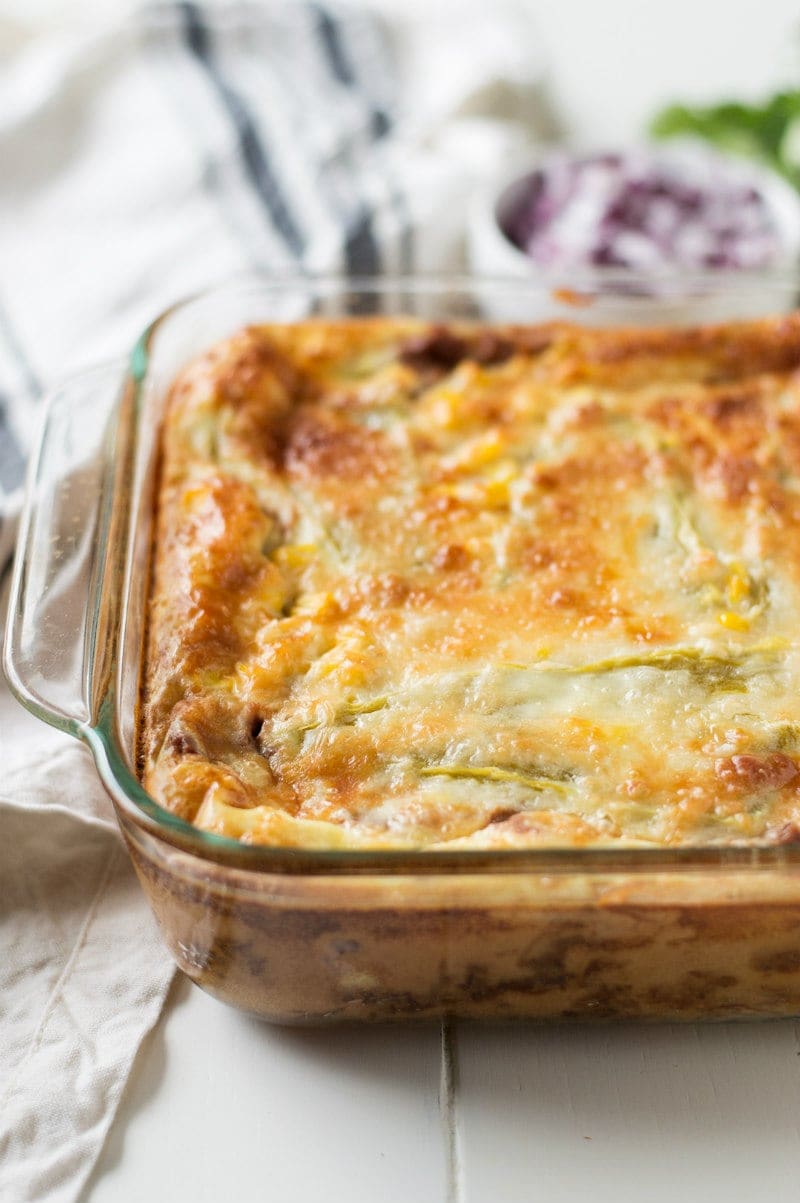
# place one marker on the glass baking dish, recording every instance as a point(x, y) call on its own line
point(306, 936)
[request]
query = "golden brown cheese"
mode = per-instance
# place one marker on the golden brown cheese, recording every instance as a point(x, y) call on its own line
point(480, 587)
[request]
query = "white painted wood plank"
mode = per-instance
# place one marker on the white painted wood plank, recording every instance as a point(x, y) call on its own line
point(222, 1107)
point(624, 1113)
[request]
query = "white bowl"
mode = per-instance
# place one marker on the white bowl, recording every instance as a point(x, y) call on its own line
point(675, 294)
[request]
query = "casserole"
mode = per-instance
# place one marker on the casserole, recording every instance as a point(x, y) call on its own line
point(299, 934)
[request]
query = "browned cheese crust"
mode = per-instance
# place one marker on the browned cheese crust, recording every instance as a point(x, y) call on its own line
point(484, 587)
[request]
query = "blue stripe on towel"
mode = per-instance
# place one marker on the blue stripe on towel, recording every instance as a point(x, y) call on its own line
point(255, 158)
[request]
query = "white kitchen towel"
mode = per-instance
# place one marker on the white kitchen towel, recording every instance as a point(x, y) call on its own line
point(83, 973)
point(139, 163)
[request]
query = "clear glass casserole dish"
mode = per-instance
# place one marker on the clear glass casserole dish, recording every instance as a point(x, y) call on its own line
point(299, 935)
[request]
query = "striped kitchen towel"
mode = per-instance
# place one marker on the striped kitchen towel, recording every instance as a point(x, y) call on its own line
point(139, 164)
point(145, 161)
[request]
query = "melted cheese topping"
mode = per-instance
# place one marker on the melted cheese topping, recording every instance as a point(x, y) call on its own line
point(479, 587)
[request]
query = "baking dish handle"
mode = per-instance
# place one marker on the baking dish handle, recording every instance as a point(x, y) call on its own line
point(54, 606)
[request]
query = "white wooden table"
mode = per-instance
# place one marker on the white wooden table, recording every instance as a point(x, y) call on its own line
point(222, 1108)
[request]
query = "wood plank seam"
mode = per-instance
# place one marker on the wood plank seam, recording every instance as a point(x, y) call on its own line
point(448, 1091)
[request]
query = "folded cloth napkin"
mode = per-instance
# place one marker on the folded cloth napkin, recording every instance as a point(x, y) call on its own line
point(139, 163)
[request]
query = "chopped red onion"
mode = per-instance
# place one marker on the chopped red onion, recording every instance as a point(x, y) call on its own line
point(637, 212)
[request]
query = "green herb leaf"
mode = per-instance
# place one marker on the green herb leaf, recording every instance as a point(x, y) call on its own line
point(757, 131)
